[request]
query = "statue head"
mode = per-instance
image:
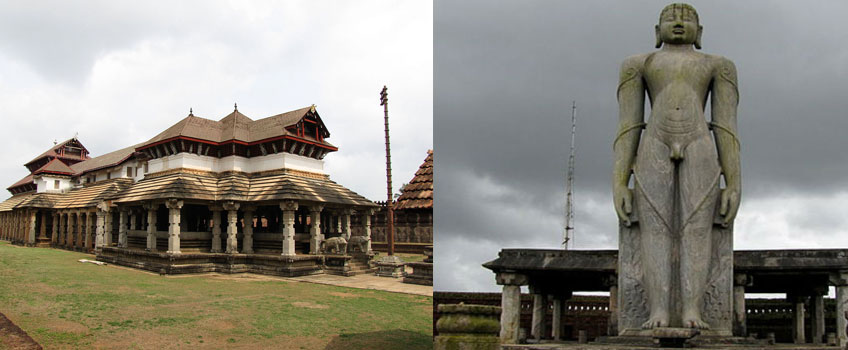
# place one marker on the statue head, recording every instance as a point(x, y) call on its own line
point(679, 25)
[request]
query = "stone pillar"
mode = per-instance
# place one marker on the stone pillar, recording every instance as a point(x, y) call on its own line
point(107, 227)
point(101, 229)
point(54, 238)
point(366, 226)
point(174, 207)
point(69, 240)
point(540, 306)
point(289, 208)
point(798, 320)
point(247, 241)
point(133, 219)
point(315, 236)
point(88, 230)
point(33, 217)
point(151, 226)
point(216, 229)
point(78, 243)
point(740, 312)
point(556, 317)
point(817, 318)
point(122, 228)
point(42, 229)
point(232, 217)
point(842, 311)
point(60, 236)
point(346, 224)
point(510, 305)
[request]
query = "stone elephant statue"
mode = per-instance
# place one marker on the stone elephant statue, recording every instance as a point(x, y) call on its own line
point(335, 245)
point(360, 243)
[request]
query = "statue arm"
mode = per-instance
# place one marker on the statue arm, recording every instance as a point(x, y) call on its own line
point(725, 98)
point(631, 112)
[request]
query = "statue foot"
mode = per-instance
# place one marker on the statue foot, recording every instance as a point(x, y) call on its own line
point(656, 322)
point(695, 322)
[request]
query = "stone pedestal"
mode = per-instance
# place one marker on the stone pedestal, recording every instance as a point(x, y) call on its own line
point(390, 266)
point(467, 327)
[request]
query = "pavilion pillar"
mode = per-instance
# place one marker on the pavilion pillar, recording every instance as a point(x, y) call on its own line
point(42, 225)
point(315, 236)
point(174, 207)
point(817, 318)
point(556, 317)
point(289, 208)
point(346, 224)
point(69, 242)
point(740, 312)
point(33, 217)
point(841, 282)
point(107, 223)
point(232, 230)
point(60, 236)
point(78, 243)
point(510, 305)
point(216, 229)
point(88, 230)
point(540, 306)
point(366, 227)
point(247, 241)
point(151, 225)
point(54, 237)
point(133, 219)
point(122, 228)
point(798, 319)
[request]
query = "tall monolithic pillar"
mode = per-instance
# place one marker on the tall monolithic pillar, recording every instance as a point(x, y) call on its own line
point(247, 240)
point(216, 229)
point(122, 228)
point(174, 207)
point(315, 236)
point(510, 305)
point(289, 208)
point(232, 230)
point(151, 225)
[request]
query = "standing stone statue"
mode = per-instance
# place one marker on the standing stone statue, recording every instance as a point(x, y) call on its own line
point(676, 220)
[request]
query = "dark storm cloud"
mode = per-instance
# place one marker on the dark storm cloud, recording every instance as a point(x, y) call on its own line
point(505, 73)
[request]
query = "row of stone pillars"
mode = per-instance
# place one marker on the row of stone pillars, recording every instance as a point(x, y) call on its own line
point(19, 226)
point(68, 228)
point(231, 209)
point(511, 309)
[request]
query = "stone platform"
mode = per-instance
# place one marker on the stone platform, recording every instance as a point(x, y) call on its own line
point(265, 264)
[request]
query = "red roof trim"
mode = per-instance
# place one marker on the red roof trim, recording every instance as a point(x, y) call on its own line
point(288, 137)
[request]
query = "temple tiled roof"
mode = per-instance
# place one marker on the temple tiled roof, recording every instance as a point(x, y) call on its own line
point(235, 126)
point(85, 197)
point(273, 186)
point(55, 166)
point(26, 180)
point(104, 161)
point(11, 202)
point(53, 151)
point(418, 194)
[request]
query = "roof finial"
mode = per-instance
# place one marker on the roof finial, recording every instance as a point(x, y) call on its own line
point(55, 142)
point(76, 134)
point(190, 111)
point(235, 105)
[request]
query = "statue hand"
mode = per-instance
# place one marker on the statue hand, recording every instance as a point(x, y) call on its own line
point(729, 205)
point(623, 200)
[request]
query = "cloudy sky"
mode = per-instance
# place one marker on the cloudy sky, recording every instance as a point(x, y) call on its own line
point(118, 73)
point(506, 72)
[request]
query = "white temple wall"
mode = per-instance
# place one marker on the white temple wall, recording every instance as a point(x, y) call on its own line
point(236, 163)
point(47, 183)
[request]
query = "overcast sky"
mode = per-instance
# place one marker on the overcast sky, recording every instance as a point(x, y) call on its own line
point(118, 73)
point(505, 73)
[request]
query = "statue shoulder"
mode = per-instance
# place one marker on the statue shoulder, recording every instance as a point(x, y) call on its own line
point(723, 68)
point(632, 67)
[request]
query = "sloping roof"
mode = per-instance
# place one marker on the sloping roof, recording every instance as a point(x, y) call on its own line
point(90, 196)
point(55, 166)
point(10, 203)
point(242, 187)
point(418, 194)
point(26, 180)
point(106, 160)
point(235, 126)
point(52, 151)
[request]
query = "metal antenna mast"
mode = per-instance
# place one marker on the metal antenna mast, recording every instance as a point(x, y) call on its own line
point(569, 185)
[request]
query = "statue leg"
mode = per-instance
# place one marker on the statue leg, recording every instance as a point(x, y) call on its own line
point(699, 177)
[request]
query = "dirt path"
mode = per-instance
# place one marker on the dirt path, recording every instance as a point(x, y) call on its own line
point(13, 337)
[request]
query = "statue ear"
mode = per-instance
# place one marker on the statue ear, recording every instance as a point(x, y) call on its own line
point(698, 37)
point(657, 33)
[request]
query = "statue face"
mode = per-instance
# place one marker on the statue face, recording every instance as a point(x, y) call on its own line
point(678, 25)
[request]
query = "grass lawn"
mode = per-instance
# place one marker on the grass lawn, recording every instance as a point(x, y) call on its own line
point(64, 304)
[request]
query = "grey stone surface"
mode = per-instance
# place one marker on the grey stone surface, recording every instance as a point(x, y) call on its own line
point(676, 222)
